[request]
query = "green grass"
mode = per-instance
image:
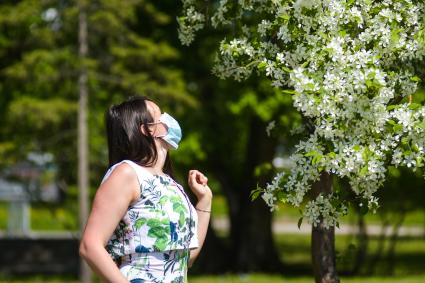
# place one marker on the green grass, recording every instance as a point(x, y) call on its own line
point(254, 278)
point(3, 215)
point(295, 253)
point(409, 254)
point(294, 248)
point(53, 217)
point(261, 278)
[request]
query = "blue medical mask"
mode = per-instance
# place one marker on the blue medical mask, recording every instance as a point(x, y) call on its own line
point(174, 132)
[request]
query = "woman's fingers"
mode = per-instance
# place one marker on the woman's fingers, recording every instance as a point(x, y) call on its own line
point(197, 177)
point(202, 179)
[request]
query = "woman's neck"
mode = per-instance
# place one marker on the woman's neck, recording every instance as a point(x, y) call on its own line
point(157, 168)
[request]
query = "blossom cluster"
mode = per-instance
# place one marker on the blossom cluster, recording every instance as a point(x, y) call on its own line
point(352, 66)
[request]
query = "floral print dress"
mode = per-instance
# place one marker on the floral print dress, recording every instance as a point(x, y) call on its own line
point(153, 239)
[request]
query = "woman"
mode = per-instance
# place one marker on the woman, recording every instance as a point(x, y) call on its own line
point(142, 227)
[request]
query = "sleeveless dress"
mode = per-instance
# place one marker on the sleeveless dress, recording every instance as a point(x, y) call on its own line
point(152, 241)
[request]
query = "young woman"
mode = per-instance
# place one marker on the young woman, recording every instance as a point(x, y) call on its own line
point(142, 227)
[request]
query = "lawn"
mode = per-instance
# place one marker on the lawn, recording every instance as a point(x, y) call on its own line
point(409, 256)
point(253, 278)
point(262, 278)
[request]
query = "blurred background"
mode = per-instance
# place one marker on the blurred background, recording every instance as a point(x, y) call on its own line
point(133, 49)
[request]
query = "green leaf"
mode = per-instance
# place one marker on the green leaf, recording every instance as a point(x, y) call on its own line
point(262, 66)
point(323, 34)
point(391, 107)
point(397, 127)
point(285, 17)
point(395, 36)
point(415, 79)
point(364, 170)
point(405, 141)
point(349, 2)
point(300, 221)
point(420, 125)
point(414, 106)
point(311, 153)
point(369, 83)
point(391, 122)
point(316, 159)
point(255, 193)
point(281, 196)
point(288, 91)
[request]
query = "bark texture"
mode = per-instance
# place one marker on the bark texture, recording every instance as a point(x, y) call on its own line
point(323, 240)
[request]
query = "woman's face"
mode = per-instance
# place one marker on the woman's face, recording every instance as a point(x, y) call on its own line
point(157, 128)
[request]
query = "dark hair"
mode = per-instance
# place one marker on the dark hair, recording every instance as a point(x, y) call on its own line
point(125, 140)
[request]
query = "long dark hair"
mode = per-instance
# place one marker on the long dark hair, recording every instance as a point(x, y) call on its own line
point(125, 140)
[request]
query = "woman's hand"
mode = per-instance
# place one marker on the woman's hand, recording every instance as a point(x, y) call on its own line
point(198, 183)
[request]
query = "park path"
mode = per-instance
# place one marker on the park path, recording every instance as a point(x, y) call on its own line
point(290, 227)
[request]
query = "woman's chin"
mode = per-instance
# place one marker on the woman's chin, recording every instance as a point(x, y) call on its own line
point(162, 146)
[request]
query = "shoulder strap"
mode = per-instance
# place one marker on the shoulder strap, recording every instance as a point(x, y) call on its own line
point(141, 174)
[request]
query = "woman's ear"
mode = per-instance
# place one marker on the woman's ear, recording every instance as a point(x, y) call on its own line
point(143, 130)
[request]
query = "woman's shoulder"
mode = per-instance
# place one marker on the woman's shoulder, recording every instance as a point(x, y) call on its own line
point(120, 180)
point(122, 171)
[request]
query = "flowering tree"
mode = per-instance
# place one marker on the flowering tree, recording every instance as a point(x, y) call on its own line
point(352, 67)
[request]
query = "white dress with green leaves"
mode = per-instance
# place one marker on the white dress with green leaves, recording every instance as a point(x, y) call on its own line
point(153, 239)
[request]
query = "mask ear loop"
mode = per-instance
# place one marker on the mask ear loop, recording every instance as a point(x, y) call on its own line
point(159, 122)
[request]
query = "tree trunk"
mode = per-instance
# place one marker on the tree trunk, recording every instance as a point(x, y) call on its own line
point(393, 241)
point(379, 250)
point(83, 170)
point(251, 222)
point(251, 237)
point(323, 240)
point(363, 242)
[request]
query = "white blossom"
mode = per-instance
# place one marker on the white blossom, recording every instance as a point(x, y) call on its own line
point(270, 127)
point(351, 65)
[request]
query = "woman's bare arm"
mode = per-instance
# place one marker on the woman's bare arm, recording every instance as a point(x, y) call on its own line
point(203, 222)
point(110, 204)
point(198, 184)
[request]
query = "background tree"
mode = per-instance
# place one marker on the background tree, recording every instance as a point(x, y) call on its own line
point(39, 69)
point(351, 64)
point(133, 49)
